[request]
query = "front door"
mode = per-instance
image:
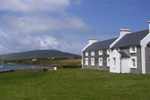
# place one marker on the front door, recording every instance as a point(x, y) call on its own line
point(125, 65)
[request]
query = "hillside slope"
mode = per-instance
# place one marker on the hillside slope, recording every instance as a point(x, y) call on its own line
point(38, 54)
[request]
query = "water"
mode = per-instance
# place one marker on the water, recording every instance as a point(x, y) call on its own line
point(15, 66)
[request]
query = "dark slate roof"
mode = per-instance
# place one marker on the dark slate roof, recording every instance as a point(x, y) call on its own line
point(148, 44)
point(124, 54)
point(132, 39)
point(101, 45)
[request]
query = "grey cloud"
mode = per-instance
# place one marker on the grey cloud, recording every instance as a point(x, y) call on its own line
point(43, 24)
point(33, 6)
point(16, 42)
point(16, 32)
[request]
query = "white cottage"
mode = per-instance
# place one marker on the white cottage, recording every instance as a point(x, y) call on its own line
point(129, 53)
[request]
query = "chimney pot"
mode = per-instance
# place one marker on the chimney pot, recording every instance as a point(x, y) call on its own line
point(91, 41)
point(149, 26)
point(124, 31)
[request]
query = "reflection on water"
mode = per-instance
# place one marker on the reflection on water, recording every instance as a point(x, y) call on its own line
point(14, 66)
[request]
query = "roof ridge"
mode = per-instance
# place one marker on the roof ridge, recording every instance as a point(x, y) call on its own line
point(139, 31)
point(100, 45)
point(131, 39)
point(106, 40)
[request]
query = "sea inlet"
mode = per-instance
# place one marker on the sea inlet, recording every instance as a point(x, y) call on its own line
point(10, 67)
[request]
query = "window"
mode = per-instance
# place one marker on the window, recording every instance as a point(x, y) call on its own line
point(86, 53)
point(114, 62)
point(100, 52)
point(100, 61)
point(118, 49)
point(92, 61)
point(133, 62)
point(133, 49)
point(92, 53)
point(108, 61)
point(86, 61)
point(108, 51)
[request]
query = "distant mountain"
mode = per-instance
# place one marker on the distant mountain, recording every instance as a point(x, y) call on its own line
point(38, 54)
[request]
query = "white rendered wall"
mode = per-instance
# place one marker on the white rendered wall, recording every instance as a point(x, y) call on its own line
point(115, 69)
point(143, 44)
point(82, 60)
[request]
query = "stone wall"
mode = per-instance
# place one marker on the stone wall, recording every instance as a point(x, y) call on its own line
point(97, 56)
point(138, 55)
point(104, 56)
point(147, 51)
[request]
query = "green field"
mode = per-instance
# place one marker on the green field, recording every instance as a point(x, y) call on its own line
point(65, 61)
point(74, 84)
point(46, 62)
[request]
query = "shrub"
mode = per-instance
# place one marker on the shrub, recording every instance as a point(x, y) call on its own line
point(59, 66)
point(71, 66)
point(44, 70)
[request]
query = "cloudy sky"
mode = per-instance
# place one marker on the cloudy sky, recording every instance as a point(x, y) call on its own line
point(66, 25)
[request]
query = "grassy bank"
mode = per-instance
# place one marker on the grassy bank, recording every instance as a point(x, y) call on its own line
point(74, 84)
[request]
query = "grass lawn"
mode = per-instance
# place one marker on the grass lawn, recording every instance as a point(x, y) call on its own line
point(74, 84)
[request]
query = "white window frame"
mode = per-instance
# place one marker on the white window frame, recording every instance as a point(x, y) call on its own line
point(100, 52)
point(92, 53)
point(92, 61)
point(108, 61)
point(100, 61)
point(108, 51)
point(86, 53)
point(86, 61)
point(131, 49)
point(131, 62)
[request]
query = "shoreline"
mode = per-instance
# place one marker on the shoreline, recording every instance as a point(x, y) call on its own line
point(44, 65)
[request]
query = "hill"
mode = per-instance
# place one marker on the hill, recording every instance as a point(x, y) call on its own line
point(37, 54)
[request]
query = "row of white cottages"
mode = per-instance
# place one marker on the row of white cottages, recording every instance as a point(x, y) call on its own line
point(129, 53)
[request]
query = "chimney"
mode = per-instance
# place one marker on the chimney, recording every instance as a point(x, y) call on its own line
point(91, 41)
point(124, 31)
point(149, 26)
